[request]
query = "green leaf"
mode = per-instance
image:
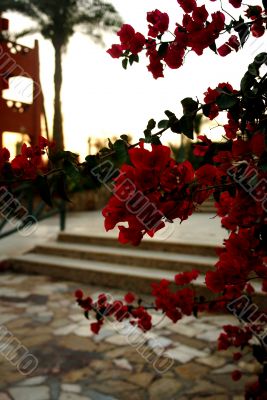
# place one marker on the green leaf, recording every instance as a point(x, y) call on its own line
point(187, 126)
point(44, 189)
point(190, 106)
point(121, 151)
point(213, 47)
point(164, 124)
point(151, 124)
point(125, 138)
point(110, 144)
point(242, 29)
point(71, 169)
point(247, 83)
point(61, 187)
point(133, 58)
point(169, 114)
point(162, 49)
point(125, 63)
point(226, 101)
point(155, 140)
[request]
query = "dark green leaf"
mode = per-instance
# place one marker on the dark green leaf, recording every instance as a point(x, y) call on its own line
point(169, 114)
point(213, 47)
point(125, 63)
point(44, 189)
point(125, 138)
point(190, 106)
point(226, 101)
point(121, 151)
point(162, 49)
point(164, 124)
point(187, 126)
point(155, 140)
point(133, 58)
point(243, 30)
point(61, 187)
point(151, 124)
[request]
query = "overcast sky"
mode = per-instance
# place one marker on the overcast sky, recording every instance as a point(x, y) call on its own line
point(100, 99)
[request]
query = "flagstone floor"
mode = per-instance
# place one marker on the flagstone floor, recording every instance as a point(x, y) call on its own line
point(40, 313)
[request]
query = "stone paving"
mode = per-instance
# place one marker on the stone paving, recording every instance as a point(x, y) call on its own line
point(73, 364)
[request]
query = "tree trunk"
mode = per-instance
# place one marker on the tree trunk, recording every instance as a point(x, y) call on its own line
point(58, 121)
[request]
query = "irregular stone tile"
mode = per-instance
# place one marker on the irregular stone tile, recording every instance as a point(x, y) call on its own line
point(123, 363)
point(213, 361)
point(191, 371)
point(103, 334)
point(100, 396)
point(76, 317)
point(73, 342)
point(111, 375)
point(232, 386)
point(160, 342)
point(65, 330)
point(112, 387)
point(36, 309)
point(83, 331)
point(36, 340)
point(205, 387)
point(160, 321)
point(36, 380)
point(77, 375)
point(227, 369)
point(164, 388)
point(66, 387)
point(60, 322)
point(43, 317)
point(100, 365)
point(251, 367)
point(119, 340)
point(30, 393)
point(211, 335)
point(215, 397)
point(141, 379)
point(176, 354)
point(4, 396)
point(191, 342)
point(182, 329)
point(5, 318)
point(18, 323)
point(72, 396)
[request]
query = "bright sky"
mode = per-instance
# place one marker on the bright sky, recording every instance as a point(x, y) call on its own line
point(100, 99)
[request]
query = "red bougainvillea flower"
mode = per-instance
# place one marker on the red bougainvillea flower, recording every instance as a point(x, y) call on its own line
point(184, 278)
point(200, 150)
point(236, 375)
point(129, 298)
point(115, 51)
point(236, 3)
point(130, 40)
point(159, 23)
point(151, 189)
point(4, 156)
point(187, 5)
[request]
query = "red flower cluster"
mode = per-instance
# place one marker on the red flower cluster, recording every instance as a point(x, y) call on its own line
point(173, 304)
point(196, 32)
point(153, 188)
point(130, 40)
point(26, 164)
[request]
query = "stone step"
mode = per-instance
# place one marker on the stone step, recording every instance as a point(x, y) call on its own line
point(134, 278)
point(129, 256)
point(147, 244)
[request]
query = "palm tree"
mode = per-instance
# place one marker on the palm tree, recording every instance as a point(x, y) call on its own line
point(57, 21)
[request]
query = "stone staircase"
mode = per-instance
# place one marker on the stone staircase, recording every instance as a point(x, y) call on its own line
point(102, 261)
